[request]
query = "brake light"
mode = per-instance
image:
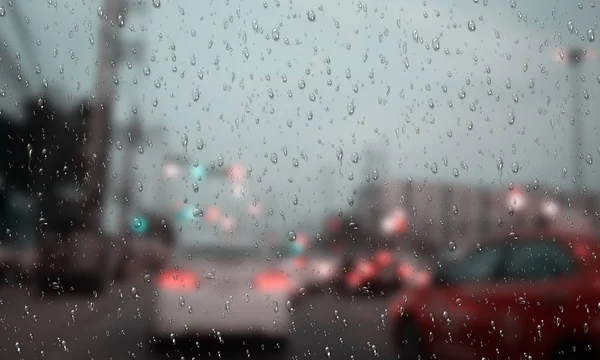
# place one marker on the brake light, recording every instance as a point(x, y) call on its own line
point(334, 225)
point(383, 258)
point(272, 282)
point(366, 268)
point(395, 223)
point(178, 280)
point(405, 270)
point(300, 262)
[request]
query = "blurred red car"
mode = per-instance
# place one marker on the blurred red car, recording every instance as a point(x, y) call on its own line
point(532, 296)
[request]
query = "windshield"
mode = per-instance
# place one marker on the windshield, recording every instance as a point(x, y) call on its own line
point(312, 135)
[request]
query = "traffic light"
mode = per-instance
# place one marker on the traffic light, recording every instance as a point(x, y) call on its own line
point(139, 224)
point(186, 213)
point(198, 172)
point(300, 244)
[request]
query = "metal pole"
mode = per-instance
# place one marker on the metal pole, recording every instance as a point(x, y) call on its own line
point(575, 59)
point(100, 122)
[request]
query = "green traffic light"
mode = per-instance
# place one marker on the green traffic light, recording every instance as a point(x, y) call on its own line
point(139, 224)
point(198, 172)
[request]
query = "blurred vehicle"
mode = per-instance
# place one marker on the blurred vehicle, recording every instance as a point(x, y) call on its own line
point(380, 270)
point(221, 292)
point(532, 295)
point(150, 245)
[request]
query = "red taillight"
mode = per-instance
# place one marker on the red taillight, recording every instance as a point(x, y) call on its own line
point(366, 268)
point(178, 280)
point(300, 262)
point(334, 225)
point(383, 258)
point(272, 282)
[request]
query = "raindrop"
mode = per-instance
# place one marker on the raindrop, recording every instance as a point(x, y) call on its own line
point(351, 108)
point(292, 236)
point(588, 159)
point(121, 20)
point(119, 145)
point(452, 245)
point(311, 15)
point(515, 167)
point(275, 34)
point(471, 25)
point(590, 35)
point(350, 200)
point(513, 236)
point(434, 168)
point(435, 43)
point(200, 144)
point(290, 307)
point(156, 3)
point(354, 157)
point(511, 118)
point(181, 301)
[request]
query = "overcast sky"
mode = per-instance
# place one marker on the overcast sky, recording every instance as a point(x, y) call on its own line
point(431, 84)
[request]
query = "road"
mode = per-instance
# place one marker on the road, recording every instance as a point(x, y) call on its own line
point(113, 326)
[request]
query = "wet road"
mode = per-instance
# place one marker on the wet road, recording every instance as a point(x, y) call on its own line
point(114, 326)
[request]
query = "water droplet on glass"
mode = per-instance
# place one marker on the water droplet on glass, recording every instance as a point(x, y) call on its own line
point(181, 301)
point(515, 167)
point(275, 34)
point(354, 157)
point(588, 159)
point(350, 200)
point(590, 35)
point(471, 25)
point(513, 236)
point(434, 168)
point(351, 108)
point(292, 236)
point(119, 145)
point(452, 245)
point(511, 118)
point(200, 144)
point(121, 20)
point(311, 15)
point(156, 3)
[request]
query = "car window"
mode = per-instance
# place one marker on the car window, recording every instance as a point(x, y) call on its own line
point(537, 260)
point(482, 265)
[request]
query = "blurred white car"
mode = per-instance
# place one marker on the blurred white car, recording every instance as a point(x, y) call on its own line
point(219, 292)
point(313, 270)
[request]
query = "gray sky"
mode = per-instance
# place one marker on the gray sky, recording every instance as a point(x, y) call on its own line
point(259, 96)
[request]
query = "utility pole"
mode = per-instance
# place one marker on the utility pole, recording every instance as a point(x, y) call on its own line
point(574, 58)
point(113, 17)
